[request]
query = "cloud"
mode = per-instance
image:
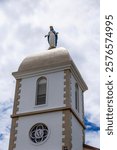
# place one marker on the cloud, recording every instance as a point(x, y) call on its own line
point(23, 25)
point(92, 138)
point(5, 123)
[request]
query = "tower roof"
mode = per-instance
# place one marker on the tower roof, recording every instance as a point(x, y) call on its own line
point(45, 59)
point(51, 60)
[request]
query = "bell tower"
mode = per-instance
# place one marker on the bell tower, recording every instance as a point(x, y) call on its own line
point(48, 108)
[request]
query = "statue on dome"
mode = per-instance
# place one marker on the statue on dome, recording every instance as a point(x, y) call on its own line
point(52, 38)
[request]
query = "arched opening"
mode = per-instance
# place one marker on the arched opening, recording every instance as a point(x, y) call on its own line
point(41, 91)
point(77, 97)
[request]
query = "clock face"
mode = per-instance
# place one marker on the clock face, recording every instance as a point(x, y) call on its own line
point(39, 133)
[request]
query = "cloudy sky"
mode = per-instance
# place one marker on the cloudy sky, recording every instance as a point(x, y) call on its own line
point(23, 24)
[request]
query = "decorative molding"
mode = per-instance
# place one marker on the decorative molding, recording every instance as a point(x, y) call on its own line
point(17, 96)
point(13, 133)
point(67, 130)
point(14, 125)
point(49, 111)
point(39, 112)
point(67, 87)
point(67, 115)
point(23, 74)
point(60, 67)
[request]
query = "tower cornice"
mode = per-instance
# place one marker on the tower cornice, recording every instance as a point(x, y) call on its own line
point(49, 111)
point(75, 72)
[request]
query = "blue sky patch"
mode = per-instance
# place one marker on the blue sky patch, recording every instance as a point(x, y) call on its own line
point(1, 136)
point(90, 126)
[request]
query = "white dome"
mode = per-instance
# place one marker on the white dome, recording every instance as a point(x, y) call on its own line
point(46, 59)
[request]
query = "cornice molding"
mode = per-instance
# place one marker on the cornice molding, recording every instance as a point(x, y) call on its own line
point(61, 67)
point(49, 111)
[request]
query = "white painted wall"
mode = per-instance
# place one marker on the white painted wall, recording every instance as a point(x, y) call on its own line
point(55, 92)
point(54, 123)
point(77, 140)
point(73, 82)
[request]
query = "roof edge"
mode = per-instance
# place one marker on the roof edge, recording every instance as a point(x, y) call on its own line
point(90, 147)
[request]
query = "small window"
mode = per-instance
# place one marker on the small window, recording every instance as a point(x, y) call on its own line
point(82, 98)
point(41, 91)
point(39, 133)
point(76, 97)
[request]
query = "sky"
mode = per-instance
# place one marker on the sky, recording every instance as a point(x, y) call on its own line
point(23, 25)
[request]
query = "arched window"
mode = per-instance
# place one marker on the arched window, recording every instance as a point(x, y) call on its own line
point(76, 97)
point(41, 91)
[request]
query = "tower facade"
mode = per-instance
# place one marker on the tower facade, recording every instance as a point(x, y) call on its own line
point(48, 108)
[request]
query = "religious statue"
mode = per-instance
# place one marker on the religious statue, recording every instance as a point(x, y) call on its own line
point(52, 37)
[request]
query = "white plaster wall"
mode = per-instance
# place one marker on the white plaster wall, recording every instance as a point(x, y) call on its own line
point(54, 123)
point(73, 81)
point(77, 136)
point(55, 92)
